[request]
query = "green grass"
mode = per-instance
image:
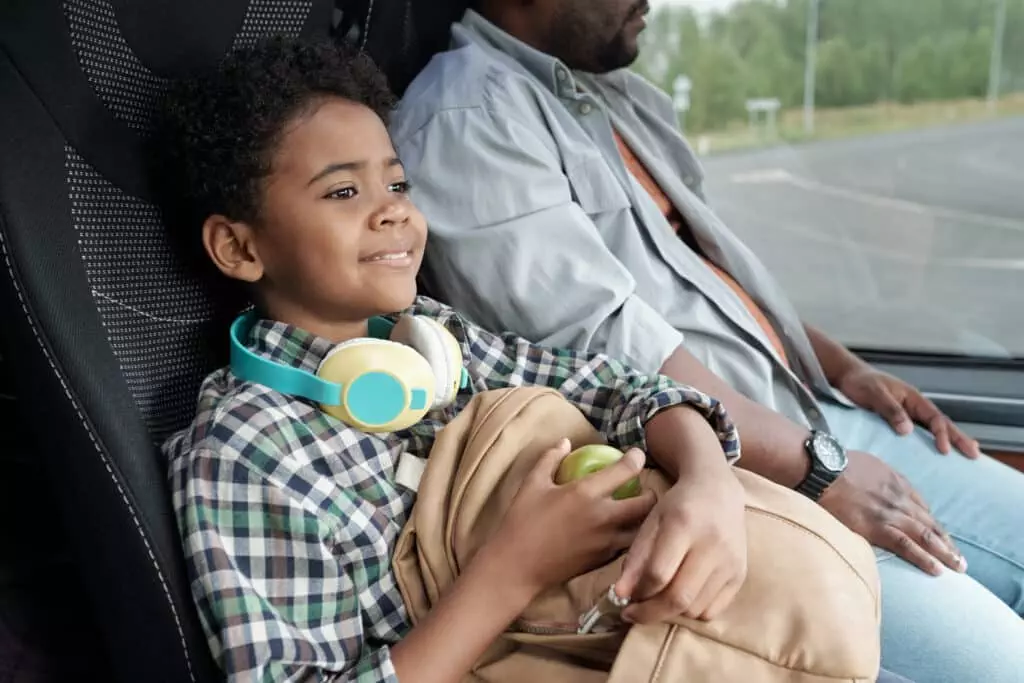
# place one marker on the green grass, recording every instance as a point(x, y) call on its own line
point(830, 124)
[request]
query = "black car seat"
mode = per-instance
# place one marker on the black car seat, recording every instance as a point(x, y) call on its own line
point(405, 35)
point(102, 332)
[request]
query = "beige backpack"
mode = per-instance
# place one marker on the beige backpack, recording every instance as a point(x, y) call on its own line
point(807, 613)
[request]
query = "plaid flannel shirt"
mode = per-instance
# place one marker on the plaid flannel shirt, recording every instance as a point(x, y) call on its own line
point(289, 517)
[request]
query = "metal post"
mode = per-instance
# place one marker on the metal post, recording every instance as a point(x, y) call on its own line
point(810, 66)
point(996, 61)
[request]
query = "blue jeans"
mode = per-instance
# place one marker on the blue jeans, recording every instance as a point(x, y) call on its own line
point(952, 628)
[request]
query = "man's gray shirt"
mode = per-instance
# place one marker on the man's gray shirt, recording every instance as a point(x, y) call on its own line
point(538, 227)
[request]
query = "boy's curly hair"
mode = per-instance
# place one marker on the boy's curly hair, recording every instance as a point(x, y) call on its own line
point(216, 132)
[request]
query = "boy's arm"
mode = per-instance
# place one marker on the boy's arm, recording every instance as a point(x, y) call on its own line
point(275, 595)
point(617, 400)
point(273, 583)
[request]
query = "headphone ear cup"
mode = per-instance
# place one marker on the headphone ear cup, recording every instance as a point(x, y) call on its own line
point(441, 350)
point(385, 386)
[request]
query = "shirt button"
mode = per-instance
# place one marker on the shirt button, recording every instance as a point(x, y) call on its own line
point(585, 108)
point(814, 413)
point(561, 74)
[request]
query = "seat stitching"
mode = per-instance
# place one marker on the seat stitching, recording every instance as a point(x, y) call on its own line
point(92, 438)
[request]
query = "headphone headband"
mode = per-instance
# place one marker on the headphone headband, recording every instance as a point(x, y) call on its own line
point(249, 367)
point(379, 384)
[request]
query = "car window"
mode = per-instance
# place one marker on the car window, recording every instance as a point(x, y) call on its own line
point(871, 152)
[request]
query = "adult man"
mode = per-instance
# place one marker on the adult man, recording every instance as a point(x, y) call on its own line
point(566, 206)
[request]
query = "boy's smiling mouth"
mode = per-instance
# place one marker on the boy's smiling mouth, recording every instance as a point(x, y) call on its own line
point(399, 258)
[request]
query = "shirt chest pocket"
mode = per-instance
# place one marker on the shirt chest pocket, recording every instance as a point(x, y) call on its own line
point(594, 186)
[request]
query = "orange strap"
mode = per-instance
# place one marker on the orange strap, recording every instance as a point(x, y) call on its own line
point(675, 219)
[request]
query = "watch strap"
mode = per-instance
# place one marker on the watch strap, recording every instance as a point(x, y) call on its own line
point(815, 484)
point(819, 478)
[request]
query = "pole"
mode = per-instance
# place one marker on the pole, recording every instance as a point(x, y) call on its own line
point(810, 67)
point(996, 61)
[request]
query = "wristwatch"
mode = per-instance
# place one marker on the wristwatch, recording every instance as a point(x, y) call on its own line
point(828, 461)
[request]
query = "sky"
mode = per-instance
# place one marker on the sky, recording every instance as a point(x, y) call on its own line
point(698, 4)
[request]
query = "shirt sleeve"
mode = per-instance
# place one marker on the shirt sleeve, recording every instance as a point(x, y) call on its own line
point(511, 248)
point(271, 579)
point(616, 399)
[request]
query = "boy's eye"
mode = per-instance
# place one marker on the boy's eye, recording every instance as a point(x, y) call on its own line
point(401, 187)
point(341, 193)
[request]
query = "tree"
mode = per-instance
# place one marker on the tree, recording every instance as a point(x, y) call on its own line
point(840, 75)
point(869, 51)
point(719, 87)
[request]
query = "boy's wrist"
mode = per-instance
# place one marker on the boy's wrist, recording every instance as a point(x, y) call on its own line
point(513, 588)
point(680, 439)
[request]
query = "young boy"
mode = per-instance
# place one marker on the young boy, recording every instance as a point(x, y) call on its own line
point(282, 162)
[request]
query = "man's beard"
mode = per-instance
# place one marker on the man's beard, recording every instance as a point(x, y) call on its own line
point(617, 54)
point(574, 37)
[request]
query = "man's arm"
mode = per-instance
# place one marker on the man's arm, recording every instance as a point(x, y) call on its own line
point(773, 445)
point(899, 403)
point(835, 359)
point(513, 251)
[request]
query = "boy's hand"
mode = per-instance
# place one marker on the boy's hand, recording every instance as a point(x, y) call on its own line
point(690, 557)
point(553, 533)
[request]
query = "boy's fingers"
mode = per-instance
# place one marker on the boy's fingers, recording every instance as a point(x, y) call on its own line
point(630, 512)
point(722, 601)
point(636, 559)
point(604, 482)
point(548, 463)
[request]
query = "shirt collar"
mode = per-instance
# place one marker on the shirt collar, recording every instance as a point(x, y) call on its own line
point(551, 72)
point(288, 344)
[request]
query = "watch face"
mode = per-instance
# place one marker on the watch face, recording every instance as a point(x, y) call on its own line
point(829, 452)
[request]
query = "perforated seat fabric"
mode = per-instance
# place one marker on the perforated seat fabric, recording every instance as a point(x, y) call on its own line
point(105, 335)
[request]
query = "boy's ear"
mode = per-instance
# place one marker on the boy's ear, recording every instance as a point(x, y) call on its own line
point(231, 245)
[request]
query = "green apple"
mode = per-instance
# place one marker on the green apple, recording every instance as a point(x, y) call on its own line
point(594, 458)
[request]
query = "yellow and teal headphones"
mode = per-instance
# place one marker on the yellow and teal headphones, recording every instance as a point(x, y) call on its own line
point(382, 383)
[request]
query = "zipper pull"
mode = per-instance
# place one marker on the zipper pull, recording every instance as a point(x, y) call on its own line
point(609, 603)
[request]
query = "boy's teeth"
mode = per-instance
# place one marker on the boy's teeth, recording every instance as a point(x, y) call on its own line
point(390, 257)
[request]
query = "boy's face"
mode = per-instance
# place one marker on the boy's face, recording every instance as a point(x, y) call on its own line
point(338, 238)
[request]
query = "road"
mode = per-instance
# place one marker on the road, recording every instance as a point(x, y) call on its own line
point(906, 240)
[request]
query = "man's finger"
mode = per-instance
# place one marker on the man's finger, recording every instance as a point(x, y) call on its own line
point(928, 534)
point(939, 427)
point(925, 412)
point(965, 444)
point(897, 541)
point(886, 405)
point(925, 516)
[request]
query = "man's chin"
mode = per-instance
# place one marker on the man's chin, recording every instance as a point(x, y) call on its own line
point(620, 56)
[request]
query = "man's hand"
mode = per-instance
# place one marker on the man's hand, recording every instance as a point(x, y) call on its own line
point(902, 405)
point(878, 503)
point(690, 557)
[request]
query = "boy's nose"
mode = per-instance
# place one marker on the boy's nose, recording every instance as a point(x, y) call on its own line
point(388, 214)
